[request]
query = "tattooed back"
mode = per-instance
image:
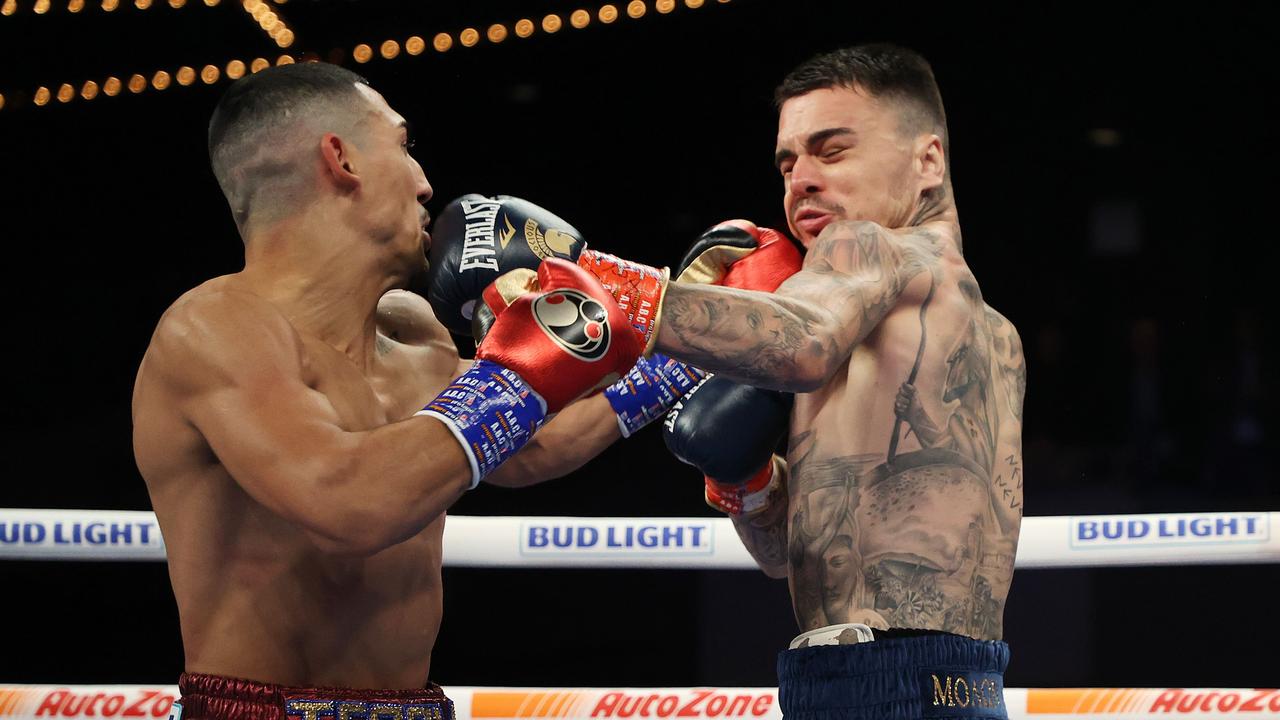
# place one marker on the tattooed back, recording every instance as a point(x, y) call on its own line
point(905, 495)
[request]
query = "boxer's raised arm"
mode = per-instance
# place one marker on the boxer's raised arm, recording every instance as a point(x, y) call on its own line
point(796, 338)
point(235, 366)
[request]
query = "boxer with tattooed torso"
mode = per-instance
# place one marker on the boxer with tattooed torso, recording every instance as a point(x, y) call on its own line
point(898, 525)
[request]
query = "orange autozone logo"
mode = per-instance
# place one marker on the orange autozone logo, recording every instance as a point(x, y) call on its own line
point(1176, 701)
point(15, 701)
point(109, 703)
point(693, 703)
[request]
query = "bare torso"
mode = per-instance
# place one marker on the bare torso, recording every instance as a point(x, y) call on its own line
point(919, 532)
point(256, 597)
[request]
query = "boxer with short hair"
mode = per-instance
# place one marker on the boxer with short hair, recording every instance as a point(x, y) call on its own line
point(303, 424)
point(898, 524)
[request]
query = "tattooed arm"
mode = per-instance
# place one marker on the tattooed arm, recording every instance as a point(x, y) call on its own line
point(1010, 370)
point(796, 338)
point(765, 535)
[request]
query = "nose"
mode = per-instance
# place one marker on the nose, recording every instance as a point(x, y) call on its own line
point(806, 177)
point(423, 187)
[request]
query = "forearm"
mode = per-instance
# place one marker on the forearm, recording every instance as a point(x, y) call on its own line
point(385, 485)
point(765, 536)
point(760, 339)
point(574, 436)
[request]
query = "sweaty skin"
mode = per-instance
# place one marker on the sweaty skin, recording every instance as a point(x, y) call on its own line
point(904, 499)
point(302, 504)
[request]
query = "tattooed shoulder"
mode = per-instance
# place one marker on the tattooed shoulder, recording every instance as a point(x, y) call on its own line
point(1007, 351)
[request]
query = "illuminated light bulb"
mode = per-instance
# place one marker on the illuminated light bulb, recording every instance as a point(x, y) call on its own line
point(209, 74)
point(693, 4)
point(664, 6)
point(110, 5)
point(258, 65)
point(390, 49)
point(608, 14)
point(524, 28)
point(235, 69)
point(66, 93)
point(1, 101)
point(10, 7)
point(362, 53)
point(186, 75)
point(42, 7)
point(285, 60)
point(415, 45)
point(142, 4)
point(75, 6)
point(111, 87)
point(636, 8)
point(469, 37)
point(41, 96)
point(442, 42)
point(551, 23)
point(580, 19)
point(496, 33)
point(175, 4)
point(137, 83)
point(89, 91)
point(285, 39)
point(211, 3)
point(160, 80)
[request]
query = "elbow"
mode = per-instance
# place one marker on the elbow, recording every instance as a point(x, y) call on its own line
point(807, 375)
point(775, 572)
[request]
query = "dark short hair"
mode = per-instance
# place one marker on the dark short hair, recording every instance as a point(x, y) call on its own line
point(884, 71)
point(260, 105)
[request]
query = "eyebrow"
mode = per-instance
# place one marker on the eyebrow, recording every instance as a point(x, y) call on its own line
point(811, 142)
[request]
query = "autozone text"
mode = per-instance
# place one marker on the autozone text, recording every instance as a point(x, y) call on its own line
point(1181, 701)
point(703, 703)
point(137, 704)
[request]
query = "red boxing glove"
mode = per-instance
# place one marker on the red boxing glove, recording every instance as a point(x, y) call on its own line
point(738, 254)
point(559, 330)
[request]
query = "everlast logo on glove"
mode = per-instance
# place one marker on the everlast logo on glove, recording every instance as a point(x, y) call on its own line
point(575, 322)
point(478, 251)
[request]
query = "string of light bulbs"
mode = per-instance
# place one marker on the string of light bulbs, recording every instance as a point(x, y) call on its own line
point(362, 53)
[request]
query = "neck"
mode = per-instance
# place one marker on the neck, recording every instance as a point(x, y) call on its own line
point(326, 278)
point(936, 204)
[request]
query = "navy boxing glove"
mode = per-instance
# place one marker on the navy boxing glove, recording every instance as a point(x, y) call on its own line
point(729, 432)
point(476, 238)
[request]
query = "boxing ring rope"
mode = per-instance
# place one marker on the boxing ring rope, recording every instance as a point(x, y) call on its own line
point(685, 543)
point(658, 543)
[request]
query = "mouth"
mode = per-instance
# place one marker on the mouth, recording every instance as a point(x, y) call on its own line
point(811, 221)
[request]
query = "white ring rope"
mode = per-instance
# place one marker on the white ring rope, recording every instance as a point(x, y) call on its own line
point(706, 543)
point(155, 702)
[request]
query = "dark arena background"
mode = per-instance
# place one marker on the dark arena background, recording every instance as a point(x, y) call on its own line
point(1115, 166)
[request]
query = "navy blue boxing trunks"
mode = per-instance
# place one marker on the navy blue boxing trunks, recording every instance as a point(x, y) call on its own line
point(894, 675)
